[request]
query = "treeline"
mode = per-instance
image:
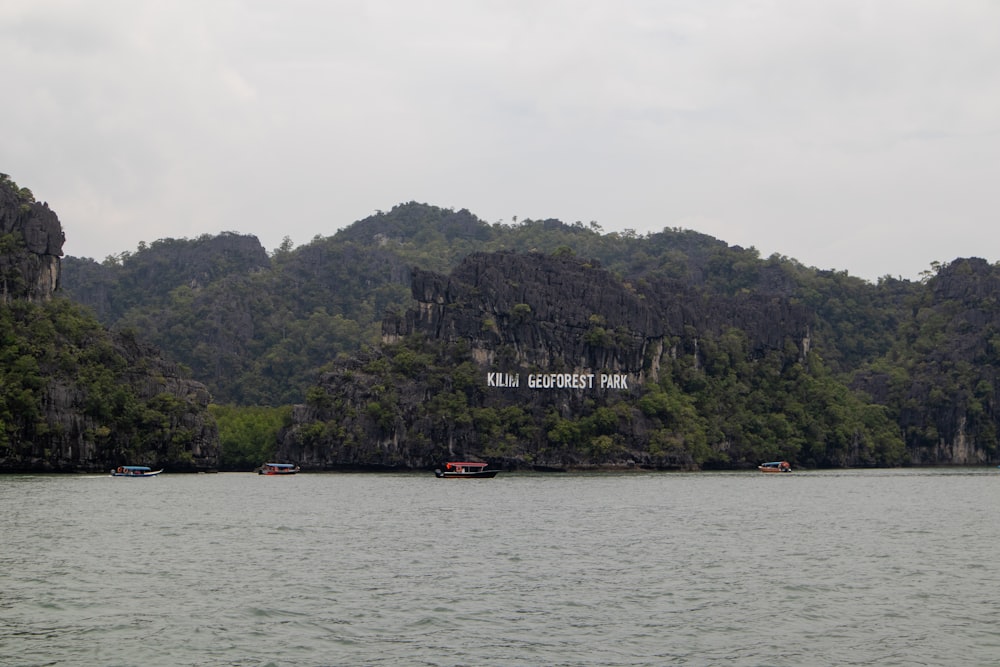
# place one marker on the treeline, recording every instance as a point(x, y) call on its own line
point(248, 435)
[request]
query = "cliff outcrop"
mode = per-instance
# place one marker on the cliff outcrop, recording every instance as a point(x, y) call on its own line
point(519, 310)
point(153, 416)
point(557, 313)
point(31, 242)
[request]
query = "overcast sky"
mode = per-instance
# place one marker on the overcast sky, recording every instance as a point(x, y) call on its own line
point(857, 135)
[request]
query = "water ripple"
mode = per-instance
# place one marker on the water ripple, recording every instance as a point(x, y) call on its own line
point(833, 568)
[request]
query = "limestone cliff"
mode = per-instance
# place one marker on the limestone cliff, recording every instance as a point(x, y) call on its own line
point(560, 313)
point(520, 310)
point(31, 241)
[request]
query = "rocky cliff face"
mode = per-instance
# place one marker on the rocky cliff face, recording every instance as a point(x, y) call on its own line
point(533, 310)
point(558, 313)
point(31, 241)
point(179, 433)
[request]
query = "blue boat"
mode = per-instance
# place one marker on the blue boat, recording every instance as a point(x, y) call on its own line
point(135, 471)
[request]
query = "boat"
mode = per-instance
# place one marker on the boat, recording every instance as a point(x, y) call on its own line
point(278, 469)
point(775, 466)
point(135, 471)
point(465, 470)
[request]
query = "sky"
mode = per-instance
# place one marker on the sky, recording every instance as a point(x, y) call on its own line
point(855, 135)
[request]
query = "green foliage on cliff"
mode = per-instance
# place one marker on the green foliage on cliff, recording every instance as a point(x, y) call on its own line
point(71, 396)
point(779, 406)
point(721, 406)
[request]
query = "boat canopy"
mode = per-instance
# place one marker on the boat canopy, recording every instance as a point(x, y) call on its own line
point(137, 468)
point(280, 465)
point(466, 464)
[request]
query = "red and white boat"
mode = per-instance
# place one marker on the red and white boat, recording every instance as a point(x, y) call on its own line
point(465, 470)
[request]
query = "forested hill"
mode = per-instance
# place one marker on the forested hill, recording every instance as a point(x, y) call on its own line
point(263, 329)
point(256, 329)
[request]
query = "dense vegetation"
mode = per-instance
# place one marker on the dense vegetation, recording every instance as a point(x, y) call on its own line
point(258, 329)
point(67, 384)
point(897, 370)
point(248, 435)
point(715, 396)
point(729, 408)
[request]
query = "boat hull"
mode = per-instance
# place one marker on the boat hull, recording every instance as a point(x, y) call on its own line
point(481, 474)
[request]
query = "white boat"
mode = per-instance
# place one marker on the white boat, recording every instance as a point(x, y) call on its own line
point(135, 471)
point(278, 469)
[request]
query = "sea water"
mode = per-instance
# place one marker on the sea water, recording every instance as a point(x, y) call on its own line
point(878, 567)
